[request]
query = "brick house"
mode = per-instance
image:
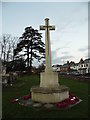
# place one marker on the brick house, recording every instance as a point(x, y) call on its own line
point(65, 67)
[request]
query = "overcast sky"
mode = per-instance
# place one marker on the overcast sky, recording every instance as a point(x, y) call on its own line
point(69, 41)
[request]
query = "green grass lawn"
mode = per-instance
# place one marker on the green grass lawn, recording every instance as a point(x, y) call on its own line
point(22, 87)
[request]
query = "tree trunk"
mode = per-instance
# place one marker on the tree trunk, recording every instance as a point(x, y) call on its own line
point(28, 57)
point(13, 53)
point(4, 56)
point(31, 58)
point(31, 62)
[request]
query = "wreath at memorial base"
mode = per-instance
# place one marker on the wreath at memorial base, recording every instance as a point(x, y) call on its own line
point(72, 100)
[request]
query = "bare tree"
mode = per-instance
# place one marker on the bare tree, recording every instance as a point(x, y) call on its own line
point(8, 44)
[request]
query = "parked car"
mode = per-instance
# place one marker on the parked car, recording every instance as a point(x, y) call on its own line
point(76, 73)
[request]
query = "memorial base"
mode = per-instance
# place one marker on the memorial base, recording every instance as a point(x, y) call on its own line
point(49, 95)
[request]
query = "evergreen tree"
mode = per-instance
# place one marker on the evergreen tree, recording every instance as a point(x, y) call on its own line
point(31, 46)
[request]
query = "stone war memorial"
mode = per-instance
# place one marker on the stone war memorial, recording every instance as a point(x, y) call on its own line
point(49, 90)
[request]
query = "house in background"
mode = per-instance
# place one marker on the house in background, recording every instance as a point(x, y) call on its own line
point(65, 68)
point(56, 68)
point(83, 67)
point(74, 66)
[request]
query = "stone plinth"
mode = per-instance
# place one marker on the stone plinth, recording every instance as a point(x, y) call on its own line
point(49, 95)
point(49, 79)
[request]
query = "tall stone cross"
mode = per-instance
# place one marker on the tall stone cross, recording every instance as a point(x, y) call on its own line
point(47, 28)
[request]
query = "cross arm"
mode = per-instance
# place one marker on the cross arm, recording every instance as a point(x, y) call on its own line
point(42, 27)
point(52, 27)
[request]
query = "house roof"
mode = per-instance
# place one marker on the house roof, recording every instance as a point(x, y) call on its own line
point(72, 63)
point(65, 65)
point(57, 65)
point(87, 60)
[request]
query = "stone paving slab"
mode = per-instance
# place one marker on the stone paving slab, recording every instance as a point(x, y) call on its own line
point(30, 103)
point(37, 105)
point(49, 105)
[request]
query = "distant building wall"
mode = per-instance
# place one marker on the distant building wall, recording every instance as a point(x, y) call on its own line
point(82, 67)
